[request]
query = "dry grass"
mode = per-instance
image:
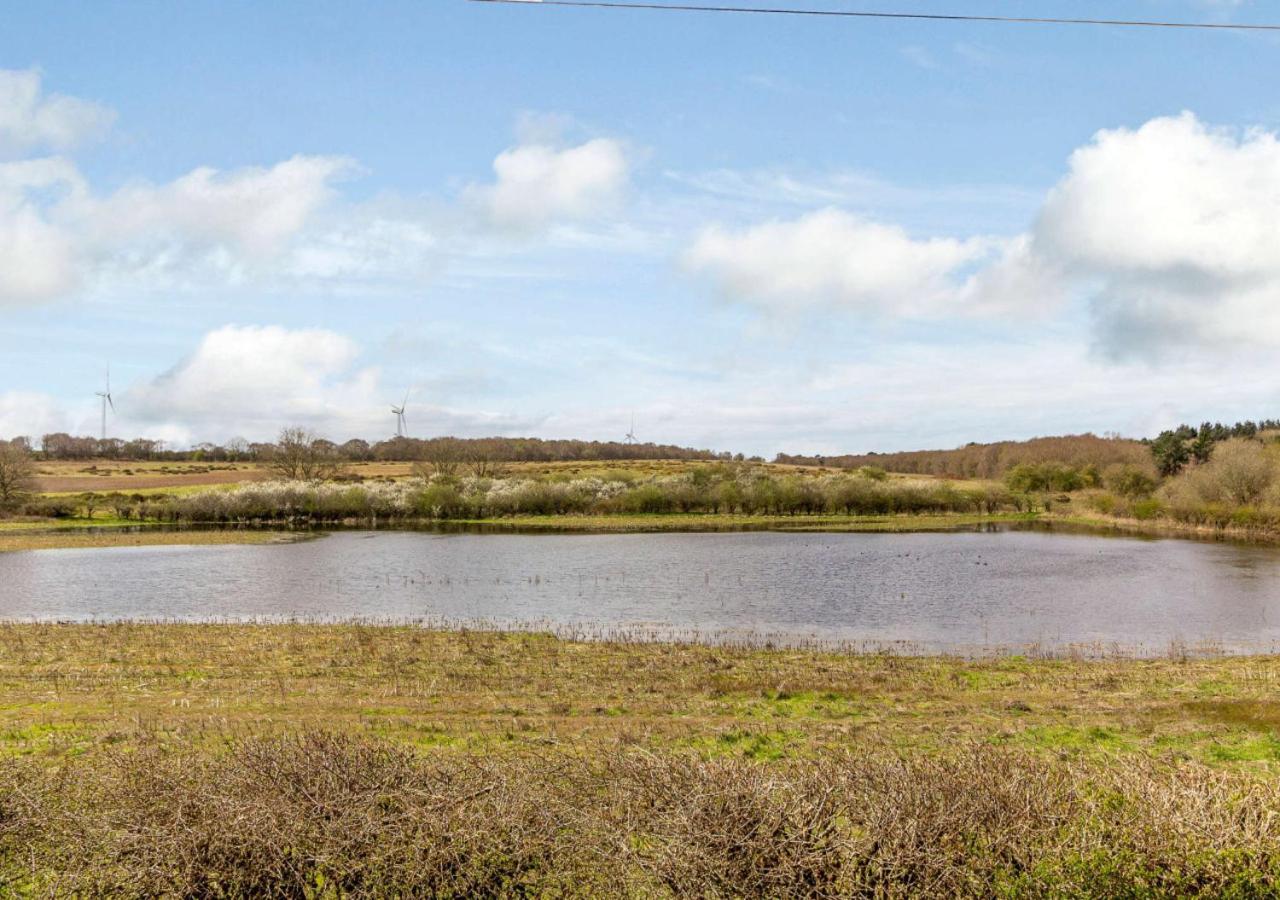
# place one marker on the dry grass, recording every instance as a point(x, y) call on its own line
point(75, 476)
point(86, 539)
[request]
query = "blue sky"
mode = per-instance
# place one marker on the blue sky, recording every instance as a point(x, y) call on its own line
point(754, 233)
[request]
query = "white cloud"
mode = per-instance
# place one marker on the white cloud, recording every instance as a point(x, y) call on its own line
point(37, 257)
point(30, 118)
point(1174, 225)
point(29, 414)
point(538, 184)
point(287, 223)
point(252, 210)
point(1168, 232)
point(281, 224)
point(831, 257)
point(56, 235)
point(253, 380)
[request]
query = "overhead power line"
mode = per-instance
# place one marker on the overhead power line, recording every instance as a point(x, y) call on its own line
point(861, 14)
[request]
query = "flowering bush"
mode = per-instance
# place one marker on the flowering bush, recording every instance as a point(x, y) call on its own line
point(733, 491)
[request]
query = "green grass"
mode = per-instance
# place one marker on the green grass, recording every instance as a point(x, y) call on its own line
point(95, 536)
point(143, 684)
point(22, 526)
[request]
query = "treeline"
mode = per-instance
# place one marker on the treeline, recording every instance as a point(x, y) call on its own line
point(724, 489)
point(1175, 448)
point(1077, 451)
point(498, 449)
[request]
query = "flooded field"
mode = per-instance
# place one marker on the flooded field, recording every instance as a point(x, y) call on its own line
point(968, 592)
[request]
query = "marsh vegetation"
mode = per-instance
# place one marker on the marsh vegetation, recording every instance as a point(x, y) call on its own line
point(352, 760)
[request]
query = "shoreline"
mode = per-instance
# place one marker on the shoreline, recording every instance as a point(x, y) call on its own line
point(109, 533)
point(19, 535)
point(58, 534)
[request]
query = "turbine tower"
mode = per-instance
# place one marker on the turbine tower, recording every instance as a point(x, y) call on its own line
point(631, 435)
point(105, 396)
point(402, 429)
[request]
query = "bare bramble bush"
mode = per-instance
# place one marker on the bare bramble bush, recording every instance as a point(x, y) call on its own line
point(326, 816)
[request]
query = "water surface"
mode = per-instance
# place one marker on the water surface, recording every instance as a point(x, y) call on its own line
point(953, 592)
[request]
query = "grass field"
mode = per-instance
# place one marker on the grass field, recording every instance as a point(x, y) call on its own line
point(353, 760)
point(103, 476)
point(76, 688)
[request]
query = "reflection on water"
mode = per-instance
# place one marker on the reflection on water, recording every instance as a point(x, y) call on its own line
point(929, 591)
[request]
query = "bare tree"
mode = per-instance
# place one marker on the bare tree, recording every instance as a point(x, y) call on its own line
point(483, 464)
point(300, 455)
point(441, 456)
point(17, 474)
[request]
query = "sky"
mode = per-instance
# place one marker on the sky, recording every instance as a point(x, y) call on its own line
point(751, 233)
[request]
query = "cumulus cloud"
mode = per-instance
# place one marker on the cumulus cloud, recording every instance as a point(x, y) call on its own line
point(831, 257)
point(539, 183)
point(280, 224)
point(56, 234)
point(37, 257)
point(31, 118)
point(1174, 227)
point(253, 380)
point(252, 210)
point(1167, 232)
point(29, 414)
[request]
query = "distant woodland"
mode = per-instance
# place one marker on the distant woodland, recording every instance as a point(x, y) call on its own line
point(993, 460)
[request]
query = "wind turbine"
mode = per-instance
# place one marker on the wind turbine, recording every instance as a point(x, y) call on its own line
point(631, 435)
point(402, 429)
point(105, 396)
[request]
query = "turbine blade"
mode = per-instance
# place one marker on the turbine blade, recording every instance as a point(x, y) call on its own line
point(111, 402)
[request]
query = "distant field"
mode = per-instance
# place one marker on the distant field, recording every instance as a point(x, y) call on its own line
point(75, 476)
point(103, 476)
